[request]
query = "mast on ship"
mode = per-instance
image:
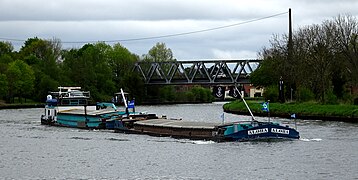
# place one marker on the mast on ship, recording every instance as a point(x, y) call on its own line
point(247, 106)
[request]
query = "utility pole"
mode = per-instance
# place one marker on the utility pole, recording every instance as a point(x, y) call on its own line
point(289, 51)
point(289, 34)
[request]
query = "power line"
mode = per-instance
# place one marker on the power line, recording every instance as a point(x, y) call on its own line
point(164, 36)
point(10, 39)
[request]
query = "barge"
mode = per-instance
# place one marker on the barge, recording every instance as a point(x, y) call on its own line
point(235, 131)
point(180, 129)
point(70, 109)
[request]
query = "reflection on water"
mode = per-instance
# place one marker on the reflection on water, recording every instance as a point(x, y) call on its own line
point(28, 150)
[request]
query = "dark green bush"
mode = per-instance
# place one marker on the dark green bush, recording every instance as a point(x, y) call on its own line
point(305, 94)
point(331, 98)
point(271, 93)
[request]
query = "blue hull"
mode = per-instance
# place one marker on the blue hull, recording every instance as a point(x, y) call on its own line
point(116, 124)
point(263, 131)
point(71, 120)
point(89, 121)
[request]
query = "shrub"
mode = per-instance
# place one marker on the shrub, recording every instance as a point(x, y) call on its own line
point(167, 93)
point(190, 96)
point(202, 94)
point(305, 94)
point(331, 98)
point(271, 93)
point(356, 101)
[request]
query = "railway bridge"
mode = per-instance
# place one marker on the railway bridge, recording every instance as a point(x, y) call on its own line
point(209, 72)
point(219, 73)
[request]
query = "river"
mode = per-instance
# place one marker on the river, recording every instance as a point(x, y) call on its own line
point(28, 150)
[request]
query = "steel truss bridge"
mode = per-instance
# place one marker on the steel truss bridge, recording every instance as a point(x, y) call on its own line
point(206, 72)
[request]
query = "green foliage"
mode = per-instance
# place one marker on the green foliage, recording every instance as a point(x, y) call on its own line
point(5, 48)
point(4, 62)
point(42, 66)
point(121, 61)
point(305, 94)
point(271, 93)
point(167, 93)
point(331, 98)
point(195, 94)
point(189, 96)
point(135, 86)
point(202, 94)
point(267, 73)
point(323, 59)
point(347, 98)
point(355, 101)
point(20, 78)
point(43, 56)
point(322, 63)
point(160, 53)
point(45, 85)
point(300, 109)
point(5, 55)
point(3, 85)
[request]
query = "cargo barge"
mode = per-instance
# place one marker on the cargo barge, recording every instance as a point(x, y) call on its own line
point(71, 110)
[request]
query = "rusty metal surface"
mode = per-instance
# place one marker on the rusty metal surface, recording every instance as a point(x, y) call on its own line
point(177, 124)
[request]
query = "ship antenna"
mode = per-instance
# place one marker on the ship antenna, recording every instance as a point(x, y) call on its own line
point(247, 106)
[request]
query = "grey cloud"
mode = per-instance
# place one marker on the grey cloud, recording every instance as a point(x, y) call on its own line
point(82, 10)
point(106, 20)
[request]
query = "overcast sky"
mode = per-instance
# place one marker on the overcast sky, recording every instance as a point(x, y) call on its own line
point(75, 22)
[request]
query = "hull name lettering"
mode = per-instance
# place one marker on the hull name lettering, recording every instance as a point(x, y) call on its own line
point(257, 131)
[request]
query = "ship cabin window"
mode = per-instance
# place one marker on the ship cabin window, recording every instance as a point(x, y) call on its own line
point(76, 94)
point(65, 102)
point(82, 102)
point(74, 102)
point(48, 112)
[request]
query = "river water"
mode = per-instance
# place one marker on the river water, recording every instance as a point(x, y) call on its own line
point(28, 150)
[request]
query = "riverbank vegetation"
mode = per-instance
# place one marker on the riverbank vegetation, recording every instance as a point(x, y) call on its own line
point(306, 110)
point(319, 70)
point(178, 94)
point(319, 64)
point(42, 65)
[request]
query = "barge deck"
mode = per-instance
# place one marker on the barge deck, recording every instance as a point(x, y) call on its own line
point(180, 129)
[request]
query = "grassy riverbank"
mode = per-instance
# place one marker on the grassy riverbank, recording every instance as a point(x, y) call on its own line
point(309, 110)
point(17, 105)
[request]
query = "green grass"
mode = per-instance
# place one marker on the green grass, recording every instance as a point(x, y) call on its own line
point(303, 109)
point(29, 103)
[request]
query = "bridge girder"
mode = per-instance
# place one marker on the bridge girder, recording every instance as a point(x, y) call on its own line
point(209, 72)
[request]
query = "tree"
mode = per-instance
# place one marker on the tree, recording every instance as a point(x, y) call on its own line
point(346, 31)
point(264, 75)
point(20, 79)
point(121, 61)
point(159, 53)
point(44, 57)
point(324, 59)
point(5, 48)
point(6, 53)
point(3, 86)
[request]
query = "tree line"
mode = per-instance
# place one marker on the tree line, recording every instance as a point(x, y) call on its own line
point(321, 63)
point(41, 66)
